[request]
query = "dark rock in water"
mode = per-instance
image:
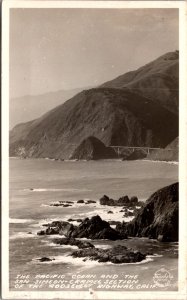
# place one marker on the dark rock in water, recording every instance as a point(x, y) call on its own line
point(128, 214)
point(96, 228)
point(41, 232)
point(44, 259)
point(92, 148)
point(109, 234)
point(110, 212)
point(104, 200)
point(29, 232)
point(117, 255)
point(80, 201)
point(73, 242)
point(140, 204)
point(58, 227)
point(51, 230)
point(68, 202)
point(134, 199)
point(77, 220)
point(122, 201)
point(90, 201)
point(158, 219)
point(60, 204)
point(56, 204)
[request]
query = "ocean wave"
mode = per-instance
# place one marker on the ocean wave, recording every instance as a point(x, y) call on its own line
point(56, 190)
point(74, 204)
point(51, 244)
point(155, 255)
point(53, 236)
point(83, 239)
point(22, 235)
point(84, 262)
point(65, 218)
point(103, 246)
point(162, 161)
point(103, 213)
point(20, 221)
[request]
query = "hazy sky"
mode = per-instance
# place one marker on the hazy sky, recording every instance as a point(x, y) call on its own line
point(53, 49)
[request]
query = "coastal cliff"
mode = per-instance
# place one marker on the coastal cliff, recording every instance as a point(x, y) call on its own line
point(158, 219)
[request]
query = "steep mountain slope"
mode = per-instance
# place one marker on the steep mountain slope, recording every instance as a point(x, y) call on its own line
point(27, 108)
point(158, 81)
point(116, 116)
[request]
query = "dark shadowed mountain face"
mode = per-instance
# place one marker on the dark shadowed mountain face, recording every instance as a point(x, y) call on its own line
point(116, 116)
point(92, 148)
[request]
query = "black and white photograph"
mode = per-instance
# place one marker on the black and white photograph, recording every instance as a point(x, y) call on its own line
point(91, 105)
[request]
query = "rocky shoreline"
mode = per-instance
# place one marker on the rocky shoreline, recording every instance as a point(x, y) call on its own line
point(93, 228)
point(117, 255)
point(157, 218)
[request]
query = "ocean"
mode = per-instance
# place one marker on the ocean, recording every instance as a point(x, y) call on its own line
point(37, 183)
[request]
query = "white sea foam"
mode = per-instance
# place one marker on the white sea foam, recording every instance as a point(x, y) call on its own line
point(155, 255)
point(19, 221)
point(83, 239)
point(50, 244)
point(68, 259)
point(103, 246)
point(68, 247)
point(84, 262)
point(41, 222)
point(55, 236)
point(97, 209)
point(162, 161)
point(22, 235)
point(74, 223)
point(44, 205)
point(103, 213)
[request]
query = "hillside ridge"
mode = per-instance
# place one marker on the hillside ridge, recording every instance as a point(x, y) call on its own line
point(114, 115)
